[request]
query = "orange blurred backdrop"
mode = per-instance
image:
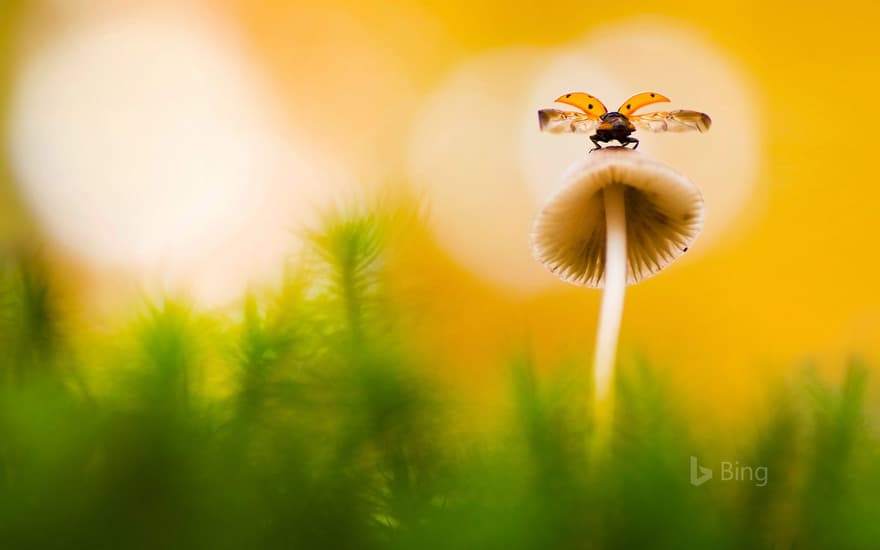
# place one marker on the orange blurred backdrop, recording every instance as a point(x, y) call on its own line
point(440, 98)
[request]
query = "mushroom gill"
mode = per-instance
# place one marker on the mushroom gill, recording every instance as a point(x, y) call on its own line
point(663, 212)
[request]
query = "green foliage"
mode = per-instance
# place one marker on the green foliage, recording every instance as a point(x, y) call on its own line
point(331, 434)
point(29, 332)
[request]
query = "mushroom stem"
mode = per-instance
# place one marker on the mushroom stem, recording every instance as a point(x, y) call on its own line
point(615, 287)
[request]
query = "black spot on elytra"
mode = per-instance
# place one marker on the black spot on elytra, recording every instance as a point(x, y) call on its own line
point(685, 249)
point(590, 106)
point(628, 106)
point(652, 95)
point(567, 95)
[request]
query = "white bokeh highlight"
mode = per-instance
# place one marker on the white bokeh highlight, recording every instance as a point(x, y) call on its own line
point(465, 153)
point(150, 145)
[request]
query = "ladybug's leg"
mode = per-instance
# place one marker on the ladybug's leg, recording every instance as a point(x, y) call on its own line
point(627, 140)
point(596, 139)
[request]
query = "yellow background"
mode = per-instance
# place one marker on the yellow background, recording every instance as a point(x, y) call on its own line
point(794, 283)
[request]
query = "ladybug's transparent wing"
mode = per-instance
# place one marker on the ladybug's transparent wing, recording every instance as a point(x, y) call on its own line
point(554, 121)
point(672, 121)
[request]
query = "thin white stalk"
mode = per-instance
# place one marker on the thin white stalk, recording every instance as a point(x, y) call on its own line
point(615, 288)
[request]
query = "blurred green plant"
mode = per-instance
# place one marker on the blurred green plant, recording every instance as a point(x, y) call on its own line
point(332, 434)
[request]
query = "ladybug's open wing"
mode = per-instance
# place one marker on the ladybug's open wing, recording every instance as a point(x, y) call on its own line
point(672, 121)
point(587, 103)
point(638, 101)
point(554, 121)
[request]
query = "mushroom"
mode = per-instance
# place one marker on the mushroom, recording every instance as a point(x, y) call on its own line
point(618, 218)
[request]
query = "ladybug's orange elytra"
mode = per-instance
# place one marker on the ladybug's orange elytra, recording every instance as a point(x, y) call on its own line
point(585, 102)
point(640, 100)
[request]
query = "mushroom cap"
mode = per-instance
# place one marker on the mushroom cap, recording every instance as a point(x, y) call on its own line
point(664, 214)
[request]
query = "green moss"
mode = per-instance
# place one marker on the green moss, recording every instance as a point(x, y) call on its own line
point(332, 435)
